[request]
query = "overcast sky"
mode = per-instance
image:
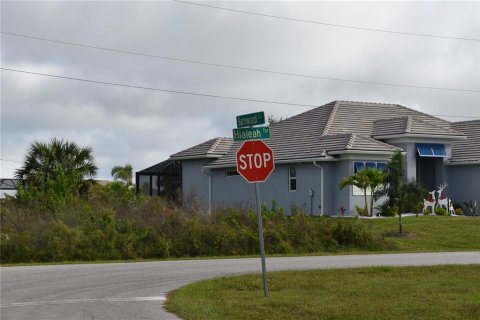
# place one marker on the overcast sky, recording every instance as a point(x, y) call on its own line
point(142, 127)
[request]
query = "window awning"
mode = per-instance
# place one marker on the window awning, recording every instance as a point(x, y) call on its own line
point(431, 150)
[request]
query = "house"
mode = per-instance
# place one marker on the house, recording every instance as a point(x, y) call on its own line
point(316, 149)
point(8, 181)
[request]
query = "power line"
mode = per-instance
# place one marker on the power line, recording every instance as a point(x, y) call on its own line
point(238, 67)
point(158, 89)
point(329, 24)
point(183, 92)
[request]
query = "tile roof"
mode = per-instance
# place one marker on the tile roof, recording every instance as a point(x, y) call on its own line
point(310, 147)
point(467, 151)
point(359, 117)
point(339, 126)
point(212, 148)
point(410, 125)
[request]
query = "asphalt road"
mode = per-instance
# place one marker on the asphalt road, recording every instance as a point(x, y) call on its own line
point(117, 291)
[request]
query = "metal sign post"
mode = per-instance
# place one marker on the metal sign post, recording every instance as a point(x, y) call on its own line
point(255, 162)
point(260, 237)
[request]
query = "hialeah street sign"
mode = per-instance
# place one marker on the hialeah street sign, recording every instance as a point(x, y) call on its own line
point(251, 119)
point(257, 133)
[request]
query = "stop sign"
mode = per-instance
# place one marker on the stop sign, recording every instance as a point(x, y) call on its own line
point(255, 161)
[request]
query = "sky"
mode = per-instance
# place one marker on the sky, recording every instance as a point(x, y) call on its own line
point(143, 127)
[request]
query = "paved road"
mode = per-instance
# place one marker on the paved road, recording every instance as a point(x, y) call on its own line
point(137, 290)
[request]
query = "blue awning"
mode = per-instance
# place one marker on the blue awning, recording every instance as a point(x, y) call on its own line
point(431, 150)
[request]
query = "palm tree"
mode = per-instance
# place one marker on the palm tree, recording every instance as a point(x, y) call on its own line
point(367, 179)
point(124, 173)
point(359, 180)
point(46, 161)
point(375, 182)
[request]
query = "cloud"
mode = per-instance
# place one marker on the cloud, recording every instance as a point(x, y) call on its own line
point(144, 127)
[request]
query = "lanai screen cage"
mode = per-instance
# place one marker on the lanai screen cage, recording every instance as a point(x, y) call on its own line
point(163, 179)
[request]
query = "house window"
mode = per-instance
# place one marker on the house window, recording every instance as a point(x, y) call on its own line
point(292, 178)
point(231, 172)
point(359, 165)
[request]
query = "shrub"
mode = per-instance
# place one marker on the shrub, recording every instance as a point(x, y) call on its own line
point(62, 242)
point(471, 208)
point(361, 211)
point(441, 211)
point(108, 224)
point(17, 248)
point(386, 211)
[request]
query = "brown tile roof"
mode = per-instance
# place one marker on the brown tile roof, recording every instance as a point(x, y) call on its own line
point(467, 151)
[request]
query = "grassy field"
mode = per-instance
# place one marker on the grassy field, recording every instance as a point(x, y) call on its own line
point(429, 233)
point(440, 292)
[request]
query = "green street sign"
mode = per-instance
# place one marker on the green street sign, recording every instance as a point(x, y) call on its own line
point(251, 119)
point(243, 134)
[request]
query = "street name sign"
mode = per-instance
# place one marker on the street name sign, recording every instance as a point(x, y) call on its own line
point(255, 161)
point(251, 119)
point(258, 133)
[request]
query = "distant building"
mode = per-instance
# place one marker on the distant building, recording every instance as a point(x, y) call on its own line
point(8, 182)
point(316, 149)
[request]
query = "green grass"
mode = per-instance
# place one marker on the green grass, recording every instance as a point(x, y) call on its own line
point(430, 233)
point(439, 292)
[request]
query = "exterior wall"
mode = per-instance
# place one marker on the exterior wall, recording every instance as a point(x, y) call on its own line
point(463, 183)
point(342, 198)
point(234, 190)
point(194, 182)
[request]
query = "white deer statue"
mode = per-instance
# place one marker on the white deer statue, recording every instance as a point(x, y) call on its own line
point(442, 200)
point(429, 201)
point(451, 209)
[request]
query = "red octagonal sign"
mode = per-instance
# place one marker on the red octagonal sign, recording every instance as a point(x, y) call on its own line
point(255, 161)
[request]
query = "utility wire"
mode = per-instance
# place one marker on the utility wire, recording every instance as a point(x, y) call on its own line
point(183, 92)
point(329, 24)
point(157, 89)
point(238, 67)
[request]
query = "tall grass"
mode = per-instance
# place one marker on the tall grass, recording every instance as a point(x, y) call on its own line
point(115, 223)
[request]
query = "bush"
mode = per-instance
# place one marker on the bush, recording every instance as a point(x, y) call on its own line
point(109, 223)
point(441, 211)
point(386, 211)
point(361, 211)
point(471, 208)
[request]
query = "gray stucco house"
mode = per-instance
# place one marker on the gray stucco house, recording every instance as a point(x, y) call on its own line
point(316, 149)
